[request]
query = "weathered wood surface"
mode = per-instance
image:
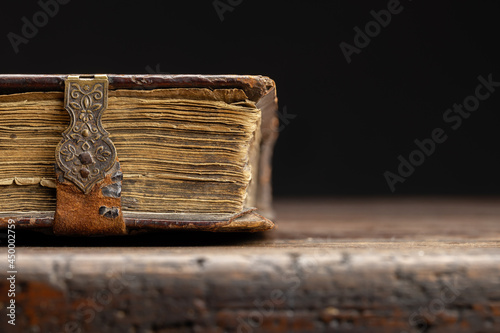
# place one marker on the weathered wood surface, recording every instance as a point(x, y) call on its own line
point(364, 265)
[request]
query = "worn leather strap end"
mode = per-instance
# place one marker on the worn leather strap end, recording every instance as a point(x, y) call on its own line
point(97, 213)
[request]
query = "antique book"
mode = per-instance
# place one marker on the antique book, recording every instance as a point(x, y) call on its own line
point(115, 154)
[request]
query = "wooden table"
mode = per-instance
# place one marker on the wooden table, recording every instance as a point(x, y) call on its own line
point(332, 265)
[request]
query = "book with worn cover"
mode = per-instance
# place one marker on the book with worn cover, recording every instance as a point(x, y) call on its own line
point(118, 154)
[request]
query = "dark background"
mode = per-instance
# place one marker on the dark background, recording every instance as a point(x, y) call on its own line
point(347, 123)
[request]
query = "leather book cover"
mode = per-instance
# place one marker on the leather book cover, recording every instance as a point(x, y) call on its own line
point(94, 155)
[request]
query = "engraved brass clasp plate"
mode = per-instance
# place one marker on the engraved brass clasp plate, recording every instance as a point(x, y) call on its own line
point(85, 153)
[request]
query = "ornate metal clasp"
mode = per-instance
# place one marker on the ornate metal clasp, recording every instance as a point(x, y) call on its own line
point(88, 174)
point(85, 153)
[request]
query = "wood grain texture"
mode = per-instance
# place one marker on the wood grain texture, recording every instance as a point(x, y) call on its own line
point(333, 265)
